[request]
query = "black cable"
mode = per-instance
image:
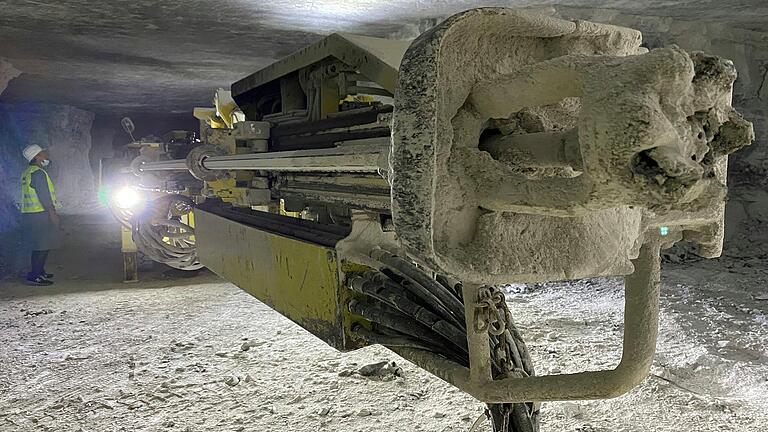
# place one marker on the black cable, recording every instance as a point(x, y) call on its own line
point(435, 295)
point(394, 297)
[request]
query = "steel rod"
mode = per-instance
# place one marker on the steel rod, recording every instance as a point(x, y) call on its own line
point(345, 158)
point(169, 165)
point(336, 163)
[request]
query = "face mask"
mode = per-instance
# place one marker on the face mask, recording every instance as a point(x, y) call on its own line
point(45, 162)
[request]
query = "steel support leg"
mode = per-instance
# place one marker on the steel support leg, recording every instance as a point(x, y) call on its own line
point(641, 317)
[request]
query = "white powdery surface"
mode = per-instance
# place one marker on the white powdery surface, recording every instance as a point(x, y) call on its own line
point(208, 357)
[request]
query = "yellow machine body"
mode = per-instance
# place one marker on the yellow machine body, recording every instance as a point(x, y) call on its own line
point(298, 279)
point(228, 191)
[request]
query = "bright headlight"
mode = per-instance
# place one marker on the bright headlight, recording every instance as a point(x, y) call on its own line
point(127, 198)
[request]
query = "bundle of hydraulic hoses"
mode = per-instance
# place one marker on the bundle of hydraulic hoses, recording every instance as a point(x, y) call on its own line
point(159, 233)
point(408, 308)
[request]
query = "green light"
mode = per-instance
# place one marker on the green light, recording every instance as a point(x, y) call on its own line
point(103, 196)
point(664, 230)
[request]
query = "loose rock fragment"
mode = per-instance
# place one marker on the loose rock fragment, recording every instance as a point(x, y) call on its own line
point(383, 369)
point(372, 369)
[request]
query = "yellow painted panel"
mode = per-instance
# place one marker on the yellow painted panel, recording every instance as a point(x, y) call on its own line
point(228, 191)
point(299, 280)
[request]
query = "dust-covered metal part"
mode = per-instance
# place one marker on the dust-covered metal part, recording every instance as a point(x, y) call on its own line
point(408, 309)
point(195, 162)
point(564, 138)
point(377, 59)
point(345, 164)
point(509, 358)
point(361, 158)
point(641, 314)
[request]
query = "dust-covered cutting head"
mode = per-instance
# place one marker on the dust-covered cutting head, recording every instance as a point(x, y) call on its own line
point(527, 147)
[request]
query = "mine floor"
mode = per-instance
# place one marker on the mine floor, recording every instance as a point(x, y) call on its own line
point(198, 354)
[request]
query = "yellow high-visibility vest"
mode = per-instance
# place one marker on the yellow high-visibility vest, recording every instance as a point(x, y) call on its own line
point(30, 203)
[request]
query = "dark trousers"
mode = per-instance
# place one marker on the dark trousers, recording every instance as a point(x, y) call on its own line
point(38, 263)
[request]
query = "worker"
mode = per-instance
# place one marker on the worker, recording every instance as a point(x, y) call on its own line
point(40, 220)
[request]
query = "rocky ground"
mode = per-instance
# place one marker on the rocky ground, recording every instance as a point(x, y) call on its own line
point(201, 355)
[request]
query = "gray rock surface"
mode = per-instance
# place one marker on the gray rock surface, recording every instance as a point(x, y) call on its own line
point(102, 143)
point(7, 73)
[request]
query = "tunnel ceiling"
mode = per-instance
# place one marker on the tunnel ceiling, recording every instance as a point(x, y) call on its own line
point(117, 57)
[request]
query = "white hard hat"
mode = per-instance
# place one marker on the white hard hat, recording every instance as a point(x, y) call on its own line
point(31, 151)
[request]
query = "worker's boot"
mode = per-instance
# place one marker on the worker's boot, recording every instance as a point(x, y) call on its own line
point(39, 280)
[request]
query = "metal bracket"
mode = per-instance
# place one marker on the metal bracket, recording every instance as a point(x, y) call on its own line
point(641, 318)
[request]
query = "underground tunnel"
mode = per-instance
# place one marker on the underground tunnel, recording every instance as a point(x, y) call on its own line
point(384, 216)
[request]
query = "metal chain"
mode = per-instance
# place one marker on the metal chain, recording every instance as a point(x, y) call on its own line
point(490, 312)
point(509, 356)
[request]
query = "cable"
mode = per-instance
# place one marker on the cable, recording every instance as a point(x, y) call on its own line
point(159, 234)
point(407, 308)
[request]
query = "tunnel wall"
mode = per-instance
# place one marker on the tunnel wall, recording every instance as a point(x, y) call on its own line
point(7, 73)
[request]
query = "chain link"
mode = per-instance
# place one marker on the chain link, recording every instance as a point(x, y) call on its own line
point(491, 313)
point(509, 356)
